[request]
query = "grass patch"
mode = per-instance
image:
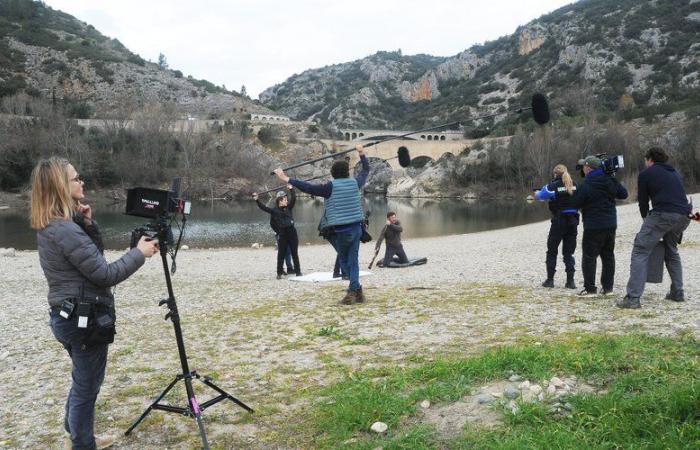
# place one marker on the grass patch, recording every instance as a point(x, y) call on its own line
point(653, 393)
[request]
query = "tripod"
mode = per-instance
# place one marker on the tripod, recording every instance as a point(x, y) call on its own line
point(193, 408)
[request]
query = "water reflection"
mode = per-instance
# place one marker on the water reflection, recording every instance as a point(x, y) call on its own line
point(237, 224)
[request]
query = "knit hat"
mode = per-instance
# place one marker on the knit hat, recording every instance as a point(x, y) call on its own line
point(280, 194)
point(591, 161)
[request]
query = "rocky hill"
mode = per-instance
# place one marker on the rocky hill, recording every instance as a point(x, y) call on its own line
point(45, 52)
point(642, 57)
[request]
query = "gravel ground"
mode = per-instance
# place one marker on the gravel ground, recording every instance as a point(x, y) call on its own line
point(271, 343)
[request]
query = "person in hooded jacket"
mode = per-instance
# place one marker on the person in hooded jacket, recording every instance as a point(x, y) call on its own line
point(665, 223)
point(596, 198)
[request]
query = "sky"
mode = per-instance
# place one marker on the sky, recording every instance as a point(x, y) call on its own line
point(260, 43)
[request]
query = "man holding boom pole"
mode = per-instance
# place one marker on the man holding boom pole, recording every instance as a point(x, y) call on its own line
point(344, 216)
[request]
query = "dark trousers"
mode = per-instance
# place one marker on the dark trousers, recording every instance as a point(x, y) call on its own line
point(288, 239)
point(287, 255)
point(391, 251)
point(88, 372)
point(563, 229)
point(598, 243)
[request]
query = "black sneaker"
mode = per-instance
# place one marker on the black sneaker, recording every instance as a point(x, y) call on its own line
point(336, 275)
point(675, 296)
point(570, 284)
point(548, 283)
point(279, 276)
point(345, 277)
point(298, 274)
point(606, 292)
point(629, 303)
point(587, 293)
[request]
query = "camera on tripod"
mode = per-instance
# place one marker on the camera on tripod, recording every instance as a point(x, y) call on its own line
point(159, 205)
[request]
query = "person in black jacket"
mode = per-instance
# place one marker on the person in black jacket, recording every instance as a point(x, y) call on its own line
point(288, 252)
point(284, 222)
point(79, 280)
point(564, 224)
point(596, 198)
point(661, 184)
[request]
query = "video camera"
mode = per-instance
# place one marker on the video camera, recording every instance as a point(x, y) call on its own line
point(159, 205)
point(610, 165)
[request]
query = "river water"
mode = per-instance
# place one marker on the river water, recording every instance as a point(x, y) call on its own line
point(239, 224)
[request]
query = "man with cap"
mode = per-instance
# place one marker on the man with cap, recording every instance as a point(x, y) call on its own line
point(595, 197)
point(664, 225)
point(343, 216)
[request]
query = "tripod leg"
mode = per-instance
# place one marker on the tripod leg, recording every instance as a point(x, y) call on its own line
point(150, 408)
point(202, 433)
point(206, 381)
point(196, 411)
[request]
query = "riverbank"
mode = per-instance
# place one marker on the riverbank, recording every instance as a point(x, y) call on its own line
point(273, 343)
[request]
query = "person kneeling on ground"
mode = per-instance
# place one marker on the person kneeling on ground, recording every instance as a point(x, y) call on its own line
point(667, 220)
point(392, 234)
point(343, 215)
point(284, 222)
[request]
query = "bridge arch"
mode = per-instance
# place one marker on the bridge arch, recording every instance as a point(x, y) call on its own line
point(421, 161)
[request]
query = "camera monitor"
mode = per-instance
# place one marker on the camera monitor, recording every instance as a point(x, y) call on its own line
point(150, 203)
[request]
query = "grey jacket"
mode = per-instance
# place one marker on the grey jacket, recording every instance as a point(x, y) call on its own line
point(392, 234)
point(73, 264)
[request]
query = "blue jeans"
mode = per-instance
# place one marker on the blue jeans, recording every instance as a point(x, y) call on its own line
point(347, 245)
point(88, 373)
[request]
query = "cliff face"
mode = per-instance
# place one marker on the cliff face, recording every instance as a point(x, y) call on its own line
point(646, 51)
point(49, 53)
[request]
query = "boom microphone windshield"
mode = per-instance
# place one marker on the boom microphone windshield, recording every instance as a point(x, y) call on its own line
point(404, 157)
point(540, 109)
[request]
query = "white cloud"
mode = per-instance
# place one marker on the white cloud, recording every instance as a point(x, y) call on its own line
point(261, 43)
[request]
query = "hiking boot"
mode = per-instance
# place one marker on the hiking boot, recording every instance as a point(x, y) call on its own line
point(349, 299)
point(606, 291)
point(570, 284)
point(675, 296)
point(629, 303)
point(336, 274)
point(360, 297)
point(587, 293)
point(548, 283)
point(298, 274)
point(279, 276)
point(345, 277)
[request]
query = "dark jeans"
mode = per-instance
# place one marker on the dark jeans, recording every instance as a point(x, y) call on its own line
point(391, 251)
point(657, 226)
point(598, 243)
point(562, 229)
point(288, 238)
point(88, 373)
point(287, 255)
point(347, 245)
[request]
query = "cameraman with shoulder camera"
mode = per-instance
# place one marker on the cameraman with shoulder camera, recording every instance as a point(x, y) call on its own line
point(596, 197)
point(79, 278)
point(666, 222)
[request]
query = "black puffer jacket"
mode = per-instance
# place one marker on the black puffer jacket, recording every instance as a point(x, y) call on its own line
point(73, 265)
point(595, 197)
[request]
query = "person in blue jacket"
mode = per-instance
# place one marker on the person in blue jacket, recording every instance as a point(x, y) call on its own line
point(596, 198)
point(564, 224)
point(343, 216)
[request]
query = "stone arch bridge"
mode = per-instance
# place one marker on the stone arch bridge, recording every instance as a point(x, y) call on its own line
point(420, 151)
point(367, 134)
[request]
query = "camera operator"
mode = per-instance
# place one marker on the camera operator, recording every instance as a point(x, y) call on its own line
point(564, 224)
point(667, 220)
point(595, 197)
point(81, 303)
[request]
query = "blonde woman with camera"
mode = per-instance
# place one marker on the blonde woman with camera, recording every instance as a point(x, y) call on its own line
point(82, 314)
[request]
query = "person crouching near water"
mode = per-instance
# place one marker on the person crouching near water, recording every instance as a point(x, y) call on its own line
point(284, 222)
point(80, 281)
point(392, 234)
point(343, 216)
point(564, 224)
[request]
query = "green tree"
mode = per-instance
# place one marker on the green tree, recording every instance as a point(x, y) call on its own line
point(162, 61)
